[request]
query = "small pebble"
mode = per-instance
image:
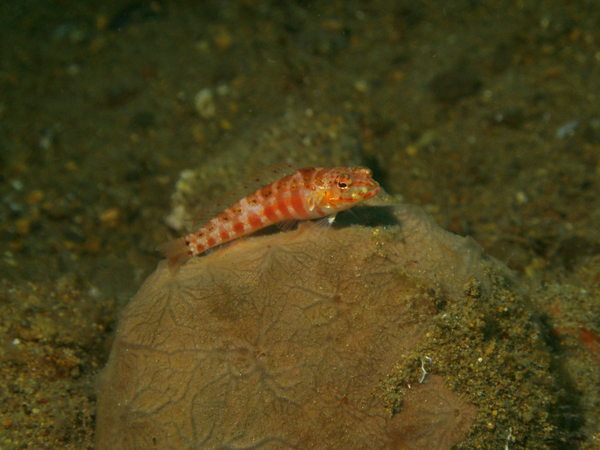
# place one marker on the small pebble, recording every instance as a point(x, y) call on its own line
point(223, 39)
point(110, 217)
point(521, 197)
point(567, 129)
point(361, 86)
point(17, 185)
point(205, 104)
point(35, 197)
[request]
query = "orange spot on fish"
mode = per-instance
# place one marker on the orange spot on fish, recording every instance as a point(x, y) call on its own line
point(270, 213)
point(254, 220)
point(238, 227)
point(298, 204)
point(282, 207)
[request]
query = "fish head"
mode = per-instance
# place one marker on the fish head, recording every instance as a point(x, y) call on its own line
point(344, 187)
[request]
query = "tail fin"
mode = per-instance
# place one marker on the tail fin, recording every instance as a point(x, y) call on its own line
point(176, 252)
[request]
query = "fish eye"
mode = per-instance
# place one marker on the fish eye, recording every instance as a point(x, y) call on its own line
point(343, 182)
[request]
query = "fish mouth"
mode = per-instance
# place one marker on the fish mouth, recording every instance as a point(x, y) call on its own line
point(372, 190)
point(369, 189)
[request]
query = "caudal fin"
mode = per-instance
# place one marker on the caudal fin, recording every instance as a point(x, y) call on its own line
point(176, 252)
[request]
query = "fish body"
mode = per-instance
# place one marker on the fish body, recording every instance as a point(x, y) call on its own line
point(308, 193)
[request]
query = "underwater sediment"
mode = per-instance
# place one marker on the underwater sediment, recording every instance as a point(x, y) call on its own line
point(394, 335)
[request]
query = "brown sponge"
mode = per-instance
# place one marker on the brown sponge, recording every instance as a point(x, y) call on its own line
point(284, 341)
